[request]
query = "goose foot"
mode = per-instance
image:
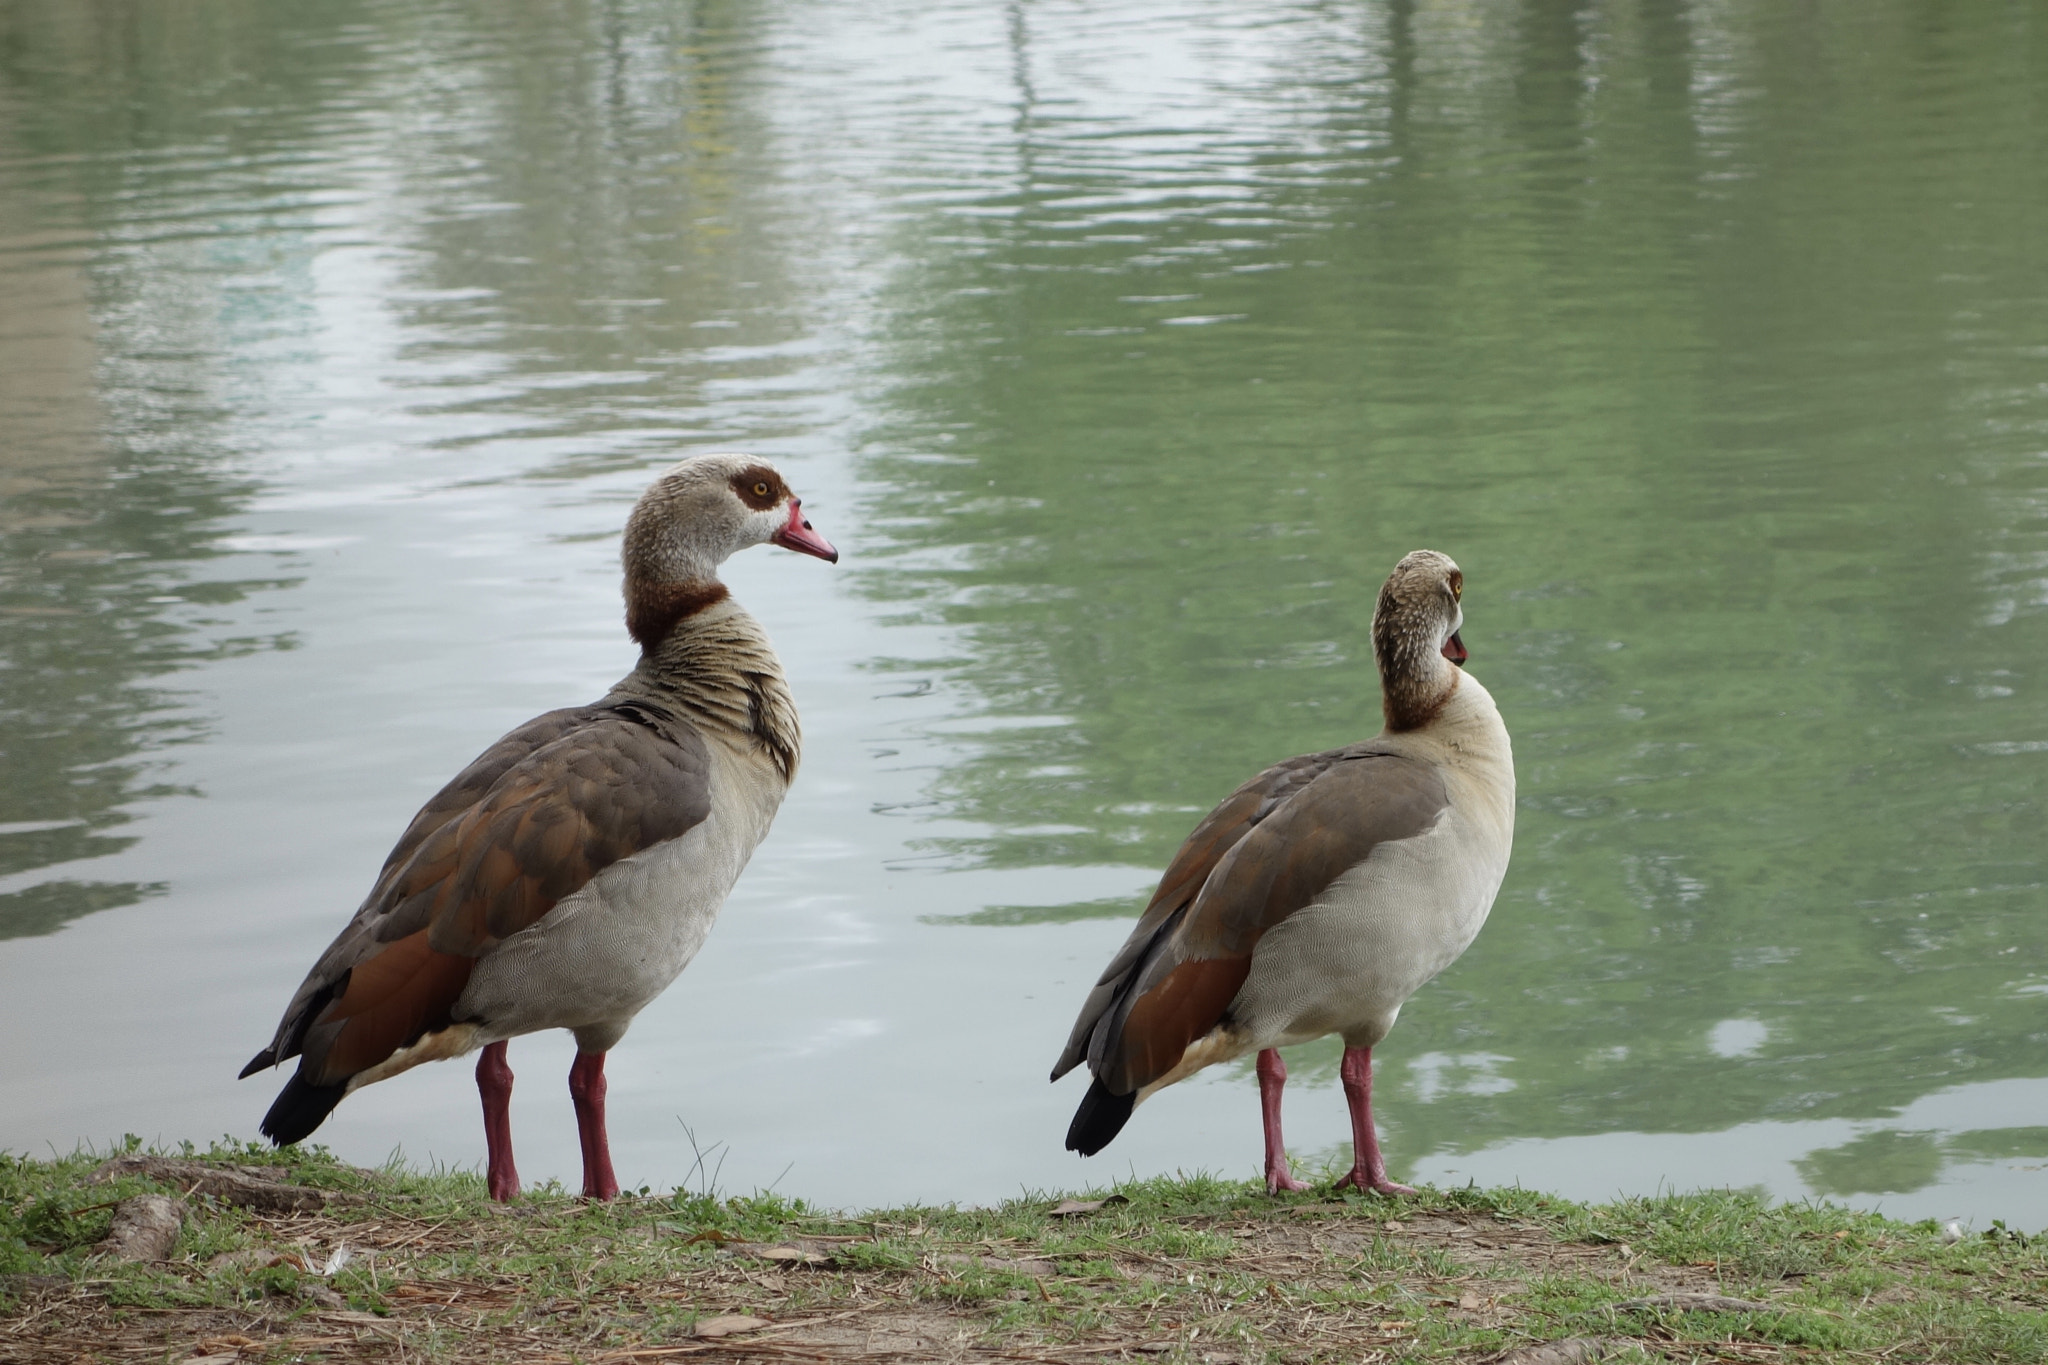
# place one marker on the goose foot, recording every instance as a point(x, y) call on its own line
point(494, 1085)
point(1364, 1181)
point(1280, 1178)
point(586, 1091)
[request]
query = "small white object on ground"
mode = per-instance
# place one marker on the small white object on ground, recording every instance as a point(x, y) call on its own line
point(1952, 1234)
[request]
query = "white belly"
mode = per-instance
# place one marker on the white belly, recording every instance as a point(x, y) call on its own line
point(1346, 963)
point(606, 950)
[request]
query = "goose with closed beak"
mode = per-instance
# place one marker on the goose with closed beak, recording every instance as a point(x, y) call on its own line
point(1318, 896)
point(567, 876)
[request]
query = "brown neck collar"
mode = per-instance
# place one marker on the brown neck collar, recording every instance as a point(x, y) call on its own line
point(1416, 680)
point(1413, 701)
point(655, 609)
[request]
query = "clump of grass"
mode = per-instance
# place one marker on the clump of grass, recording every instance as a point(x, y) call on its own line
point(1185, 1266)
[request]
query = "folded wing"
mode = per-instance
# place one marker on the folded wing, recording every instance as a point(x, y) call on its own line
point(531, 821)
point(1271, 848)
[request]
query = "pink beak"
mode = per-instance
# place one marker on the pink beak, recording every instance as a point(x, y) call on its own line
point(799, 536)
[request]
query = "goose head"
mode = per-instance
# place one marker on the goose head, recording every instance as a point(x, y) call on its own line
point(692, 519)
point(1415, 640)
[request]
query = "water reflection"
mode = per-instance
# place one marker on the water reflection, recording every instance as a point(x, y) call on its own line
point(598, 212)
point(101, 595)
point(1884, 1162)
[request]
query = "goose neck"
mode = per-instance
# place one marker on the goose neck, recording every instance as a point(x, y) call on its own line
point(716, 664)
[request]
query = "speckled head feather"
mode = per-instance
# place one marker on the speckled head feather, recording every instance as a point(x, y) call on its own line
point(689, 521)
point(1414, 637)
point(717, 664)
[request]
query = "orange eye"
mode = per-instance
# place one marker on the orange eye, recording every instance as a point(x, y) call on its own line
point(760, 490)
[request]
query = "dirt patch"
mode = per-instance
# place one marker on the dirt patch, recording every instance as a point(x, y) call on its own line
point(1305, 1285)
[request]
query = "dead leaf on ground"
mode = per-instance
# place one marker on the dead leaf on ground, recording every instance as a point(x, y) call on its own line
point(1067, 1208)
point(783, 1253)
point(1468, 1301)
point(728, 1324)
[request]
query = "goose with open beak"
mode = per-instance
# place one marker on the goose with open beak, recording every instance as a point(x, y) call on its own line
point(1318, 896)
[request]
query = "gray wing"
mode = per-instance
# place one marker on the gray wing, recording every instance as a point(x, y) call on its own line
point(537, 815)
point(1271, 848)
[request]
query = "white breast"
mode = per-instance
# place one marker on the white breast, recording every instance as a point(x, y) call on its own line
point(1347, 962)
point(596, 959)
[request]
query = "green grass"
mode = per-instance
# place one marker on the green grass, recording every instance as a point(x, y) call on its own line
point(1198, 1263)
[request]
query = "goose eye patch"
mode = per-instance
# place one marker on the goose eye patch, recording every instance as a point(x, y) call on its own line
point(759, 487)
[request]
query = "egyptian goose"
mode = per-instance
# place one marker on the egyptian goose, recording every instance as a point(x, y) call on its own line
point(564, 878)
point(1318, 896)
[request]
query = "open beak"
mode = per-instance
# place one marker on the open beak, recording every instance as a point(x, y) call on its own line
point(1454, 649)
point(797, 535)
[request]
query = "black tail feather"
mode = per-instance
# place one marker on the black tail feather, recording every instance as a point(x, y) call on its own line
point(299, 1109)
point(1099, 1119)
point(267, 1057)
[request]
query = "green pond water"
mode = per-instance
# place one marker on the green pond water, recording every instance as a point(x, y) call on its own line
point(1122, 348)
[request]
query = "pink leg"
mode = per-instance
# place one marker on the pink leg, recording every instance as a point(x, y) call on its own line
point(494, 1083)
point(1273, 1075)
point(586, 1090)
point(1368, 1169)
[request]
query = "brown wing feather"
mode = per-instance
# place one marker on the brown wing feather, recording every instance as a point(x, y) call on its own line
point(392, 998)
point(1317, 817)
point(1168, 1015)
point(613, 781)
point(361, 936)
point(469, 785)
point(1192, 863)
point(1293, 856)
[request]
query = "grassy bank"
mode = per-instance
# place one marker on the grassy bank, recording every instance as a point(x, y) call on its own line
point(395, 1265)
